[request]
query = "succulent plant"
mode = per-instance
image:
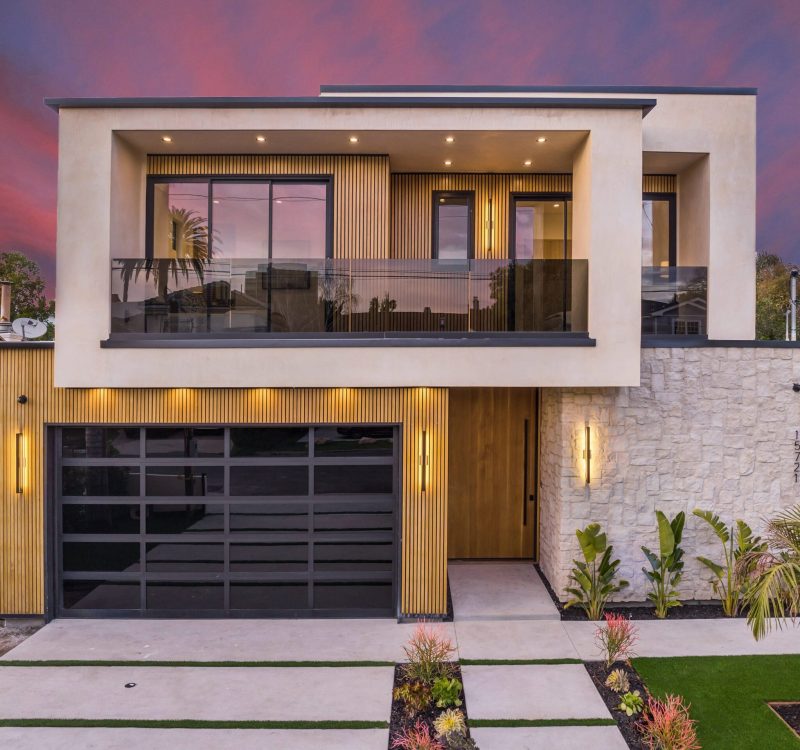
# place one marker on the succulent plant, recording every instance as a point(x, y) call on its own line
point(618, 681)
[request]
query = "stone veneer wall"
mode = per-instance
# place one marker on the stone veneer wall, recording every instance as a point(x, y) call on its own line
point(708, 427)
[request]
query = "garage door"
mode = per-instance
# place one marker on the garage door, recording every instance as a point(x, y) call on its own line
point(226, 521)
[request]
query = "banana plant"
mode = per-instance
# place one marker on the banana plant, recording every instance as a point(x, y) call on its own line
point(730, 585)
point(593, 577)
point(666, 568)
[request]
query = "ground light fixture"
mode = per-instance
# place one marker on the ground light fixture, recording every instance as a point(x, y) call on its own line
point(587, 452)
point(423, 461)
point(20, 462)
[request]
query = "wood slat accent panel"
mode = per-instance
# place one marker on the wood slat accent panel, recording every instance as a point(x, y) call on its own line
point(659, 183)
point(360, 190)
point(486, 473)
point(423, 565)
point(412, 206)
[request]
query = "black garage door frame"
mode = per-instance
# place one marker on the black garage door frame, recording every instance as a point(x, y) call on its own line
point(54, 537)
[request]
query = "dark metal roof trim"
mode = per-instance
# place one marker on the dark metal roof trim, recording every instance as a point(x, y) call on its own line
point(341, 102)
point(702, 90)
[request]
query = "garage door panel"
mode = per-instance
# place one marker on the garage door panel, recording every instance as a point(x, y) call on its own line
point(227, 521)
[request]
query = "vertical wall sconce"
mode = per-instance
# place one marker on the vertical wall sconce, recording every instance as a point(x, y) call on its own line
point(21, 462)
point(587, 452)
point(490, 227)
point(423, 461)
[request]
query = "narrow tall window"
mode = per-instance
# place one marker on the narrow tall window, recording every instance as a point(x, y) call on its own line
point(659, 248)
point(453, 227)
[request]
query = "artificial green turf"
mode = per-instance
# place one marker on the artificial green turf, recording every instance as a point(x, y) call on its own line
point(142, 663)
point(542, 723)
point(191, 724)
point(729, 695)
point(515, 662)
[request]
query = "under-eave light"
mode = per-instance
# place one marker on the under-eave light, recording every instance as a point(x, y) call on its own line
point(261, 138)
point(448, 163)
point(449, 139)
point(527, 163)
point(541, 139)
point(353, 139)
point(587, 453)
point(166, 138)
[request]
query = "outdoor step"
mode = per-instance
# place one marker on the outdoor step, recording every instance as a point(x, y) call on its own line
point(548, 738)
point(56, 738)
point(210, 694)
point(546, 691)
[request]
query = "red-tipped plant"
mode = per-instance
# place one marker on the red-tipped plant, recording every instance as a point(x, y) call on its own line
point(616, 638)
point(666, 725)
point(418, 737)
point(428, 652)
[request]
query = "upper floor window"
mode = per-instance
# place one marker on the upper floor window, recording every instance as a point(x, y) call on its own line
point(541, 227)
point(201, 218)
point(453, 225)
point(659, 247)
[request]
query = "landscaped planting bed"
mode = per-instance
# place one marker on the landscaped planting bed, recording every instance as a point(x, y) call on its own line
point(627, 724)
point(790, 713)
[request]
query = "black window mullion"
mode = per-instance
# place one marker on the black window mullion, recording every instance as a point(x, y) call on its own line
point(226, 545)
point(310, 506)
point(142, 523)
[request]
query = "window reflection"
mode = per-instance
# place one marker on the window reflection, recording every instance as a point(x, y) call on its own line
point(180, 220)
point(453, 226)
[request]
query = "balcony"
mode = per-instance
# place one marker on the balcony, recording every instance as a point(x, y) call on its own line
point(359, 298)
point(674, 301)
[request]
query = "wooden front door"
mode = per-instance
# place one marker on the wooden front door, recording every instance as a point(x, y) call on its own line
point(491, 485)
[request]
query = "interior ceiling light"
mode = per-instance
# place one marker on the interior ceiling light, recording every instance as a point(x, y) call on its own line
point(261, 138)
point(541, 139)
point(166, 138)
point(449, 139)
point(527, 162)
point(448, 163)
point(353, 139)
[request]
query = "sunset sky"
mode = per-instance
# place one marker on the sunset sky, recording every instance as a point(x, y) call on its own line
point(276, 48)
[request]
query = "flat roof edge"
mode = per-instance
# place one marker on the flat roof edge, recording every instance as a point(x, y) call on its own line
point(317, 102)
point(396, 88)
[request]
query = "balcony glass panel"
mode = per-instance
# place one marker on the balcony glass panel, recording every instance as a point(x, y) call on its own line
point(674, 300)
point(344, 296)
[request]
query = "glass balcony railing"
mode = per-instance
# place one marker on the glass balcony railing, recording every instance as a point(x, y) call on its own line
point(674, 300)
point(347, 297)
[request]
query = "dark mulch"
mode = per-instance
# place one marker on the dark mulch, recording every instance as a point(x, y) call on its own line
point(790, 713)
point(399, 720)
point(627, 724)
point(691, 610)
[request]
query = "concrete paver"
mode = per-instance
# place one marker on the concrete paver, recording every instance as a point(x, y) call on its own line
point(549, 738)
point(223, 694)
point(219, 640)
point(551, 691)
point(514, 639)
point(51, 738)
point(499, 590)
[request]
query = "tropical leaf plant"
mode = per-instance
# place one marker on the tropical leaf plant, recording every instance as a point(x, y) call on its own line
point(666, 568)
point(774, 575)
point(728, 582)
point(593, 577)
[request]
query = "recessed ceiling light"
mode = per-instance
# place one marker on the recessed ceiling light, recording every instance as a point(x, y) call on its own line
point(353, 139)
point(449, 139)
point(541, 139)
point(556, 205)
point(441, 200)
point(448, 163)
point(216, 200)
point(166, 138)
point(527, 162)
point(261, 138)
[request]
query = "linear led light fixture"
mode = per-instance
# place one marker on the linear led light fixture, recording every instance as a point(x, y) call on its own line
point(423, 460)
point(587, 452)
point(20, 461)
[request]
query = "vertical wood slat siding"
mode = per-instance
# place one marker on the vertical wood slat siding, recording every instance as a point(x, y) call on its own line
point(29, 371)
point(412, 207)
point(360, 190)
point(659, 183)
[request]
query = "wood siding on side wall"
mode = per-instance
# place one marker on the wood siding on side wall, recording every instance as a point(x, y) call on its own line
point(659, 183)
point(360, 190)
point(29, 371)
point(412, 208)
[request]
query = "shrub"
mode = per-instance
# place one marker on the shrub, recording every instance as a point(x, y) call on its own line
point(428, 652)
point(631, 703)
point(666, 568)
point(415, 696)
point(593, 577)
point(616, 638)
point(450, 722)
point(666, 725)
point(618, 681)
point(460, 742)
point(417, 737)
point(729, 582)
point(446, 692)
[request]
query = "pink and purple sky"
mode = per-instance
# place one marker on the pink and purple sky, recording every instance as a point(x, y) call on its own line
point(290, 47)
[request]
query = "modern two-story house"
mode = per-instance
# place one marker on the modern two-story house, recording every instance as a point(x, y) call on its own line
point(309, 349)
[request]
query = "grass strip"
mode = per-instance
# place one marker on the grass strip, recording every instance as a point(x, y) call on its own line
point(189, 724)
point(515, 662)
point(148, 663)
point(542, 723)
